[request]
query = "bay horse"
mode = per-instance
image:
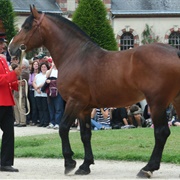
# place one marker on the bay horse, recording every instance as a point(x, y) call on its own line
point(91, 77)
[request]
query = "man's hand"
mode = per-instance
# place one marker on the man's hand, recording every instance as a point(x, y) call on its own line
point(18, 70)
point(21, 83)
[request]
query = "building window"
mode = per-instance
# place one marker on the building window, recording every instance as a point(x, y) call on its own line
point(174, 39)
point(127, 40)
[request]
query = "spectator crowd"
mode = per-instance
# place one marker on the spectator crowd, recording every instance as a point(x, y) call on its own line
point(46, 104)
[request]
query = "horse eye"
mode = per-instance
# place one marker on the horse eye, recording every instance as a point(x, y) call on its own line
point(26, 27)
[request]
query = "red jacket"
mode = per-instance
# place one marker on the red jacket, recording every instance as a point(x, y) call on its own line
point(8, 82)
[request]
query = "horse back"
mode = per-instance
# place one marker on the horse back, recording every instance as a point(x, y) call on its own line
point(126, 77)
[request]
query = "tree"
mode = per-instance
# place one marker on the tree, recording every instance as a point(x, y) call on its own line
point(7, 16)
point(90, 16)
point(149, 36)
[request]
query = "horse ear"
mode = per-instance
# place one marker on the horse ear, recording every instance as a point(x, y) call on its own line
point(34, 11)
point(30, 8)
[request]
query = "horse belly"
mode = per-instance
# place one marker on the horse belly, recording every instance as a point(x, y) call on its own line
point(117, 98)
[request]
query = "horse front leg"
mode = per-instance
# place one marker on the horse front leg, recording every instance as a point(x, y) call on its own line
point(85, 130)
point(64, 128)
point(161, 133)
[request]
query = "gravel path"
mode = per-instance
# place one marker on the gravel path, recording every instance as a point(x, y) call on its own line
point(31, 168)
point(36, 168)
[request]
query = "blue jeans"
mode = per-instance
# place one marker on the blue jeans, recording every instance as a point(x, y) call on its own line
point(97, 126)
point(56, 109)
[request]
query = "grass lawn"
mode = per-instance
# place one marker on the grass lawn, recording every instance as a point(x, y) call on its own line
point(123, 144)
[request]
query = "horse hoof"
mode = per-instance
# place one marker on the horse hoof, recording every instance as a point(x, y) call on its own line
point(82, 171)
point(144, 174)
point(69, 167)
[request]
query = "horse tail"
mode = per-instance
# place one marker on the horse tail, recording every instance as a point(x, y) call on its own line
point(178, 53)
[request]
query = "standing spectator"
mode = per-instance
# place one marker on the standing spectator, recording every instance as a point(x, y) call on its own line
point(33, 106)
point(35, 58)
point(20, 112)
point(100, 118)
point(119, 117)
point(41, 97)
point(42, 58)
point(14, 60)
point(8, 82)
point(55, 103)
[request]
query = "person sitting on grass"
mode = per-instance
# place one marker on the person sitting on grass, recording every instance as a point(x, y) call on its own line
point(174, 121)
point(135, 116)
point(100, 118)
point(119, 117)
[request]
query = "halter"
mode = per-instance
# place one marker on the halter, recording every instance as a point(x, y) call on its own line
point(37, 26)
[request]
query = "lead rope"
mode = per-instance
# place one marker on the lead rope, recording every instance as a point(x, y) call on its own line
point(25, 87)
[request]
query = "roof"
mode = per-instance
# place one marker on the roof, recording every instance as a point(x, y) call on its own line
point(22, 6)
point(145, 7)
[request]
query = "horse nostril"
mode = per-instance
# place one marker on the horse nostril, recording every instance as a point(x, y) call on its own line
point(22, 47)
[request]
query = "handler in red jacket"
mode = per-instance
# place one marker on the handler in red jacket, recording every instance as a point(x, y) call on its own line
point(8, 82)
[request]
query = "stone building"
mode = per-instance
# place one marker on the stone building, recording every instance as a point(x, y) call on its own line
point(129, 19)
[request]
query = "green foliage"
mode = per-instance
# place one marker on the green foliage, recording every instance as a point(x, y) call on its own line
point(31, 54)
point(149, 36)
point(7, 16)
point(90, 16)
point(123, 144)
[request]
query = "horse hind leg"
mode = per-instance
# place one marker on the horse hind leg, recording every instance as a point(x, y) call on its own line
point(85, 130)
point(161, 133)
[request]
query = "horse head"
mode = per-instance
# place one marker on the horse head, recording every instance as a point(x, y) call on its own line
point(30, 35)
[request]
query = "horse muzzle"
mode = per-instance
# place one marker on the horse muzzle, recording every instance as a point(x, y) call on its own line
point(15, 50)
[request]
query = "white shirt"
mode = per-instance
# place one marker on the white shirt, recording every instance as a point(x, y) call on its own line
point(40, 79)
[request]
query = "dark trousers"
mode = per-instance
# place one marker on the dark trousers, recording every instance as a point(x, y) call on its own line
point(43, 111)
point(7, 144)
point(34, 110)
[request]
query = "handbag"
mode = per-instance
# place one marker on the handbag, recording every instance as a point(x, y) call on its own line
point(52, 89)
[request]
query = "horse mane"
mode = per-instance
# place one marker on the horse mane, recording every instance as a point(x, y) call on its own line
point(57, 17)
point(28, 21)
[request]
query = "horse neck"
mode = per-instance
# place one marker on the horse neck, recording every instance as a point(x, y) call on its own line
point(63, 41)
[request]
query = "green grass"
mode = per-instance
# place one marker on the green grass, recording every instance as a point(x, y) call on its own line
point(128, 144)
